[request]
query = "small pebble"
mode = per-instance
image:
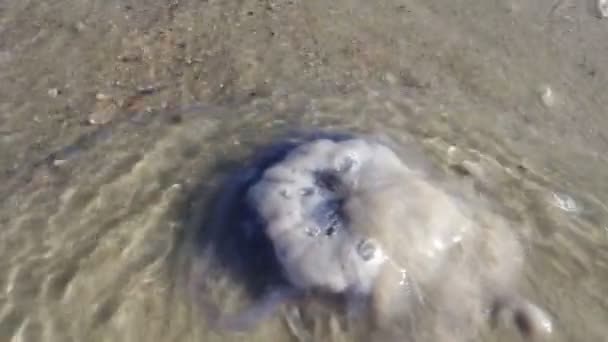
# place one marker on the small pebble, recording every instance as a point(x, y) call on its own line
point(453, 155)
point(565, 202)
point(102, 115)
point(602, 8)
point(547, 96)
point(53, 92)
point(99, 118)
point(390, 78)
point(102, 97)
point(80, 26)
point(59, 162)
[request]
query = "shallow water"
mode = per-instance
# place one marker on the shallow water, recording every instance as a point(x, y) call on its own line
point(96, 218)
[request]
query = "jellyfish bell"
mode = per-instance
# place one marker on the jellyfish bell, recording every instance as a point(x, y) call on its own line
point(301, 203)
point(349, 216)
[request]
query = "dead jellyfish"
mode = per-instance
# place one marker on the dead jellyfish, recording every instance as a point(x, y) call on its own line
point(323, 251)
point(346, 216)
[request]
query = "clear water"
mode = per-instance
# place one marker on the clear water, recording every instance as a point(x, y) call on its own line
point(94, 218)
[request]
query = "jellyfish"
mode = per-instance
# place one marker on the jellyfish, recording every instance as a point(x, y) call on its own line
point(348, 216)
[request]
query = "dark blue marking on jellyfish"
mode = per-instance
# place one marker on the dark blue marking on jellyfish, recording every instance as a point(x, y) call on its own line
point(235, 232)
